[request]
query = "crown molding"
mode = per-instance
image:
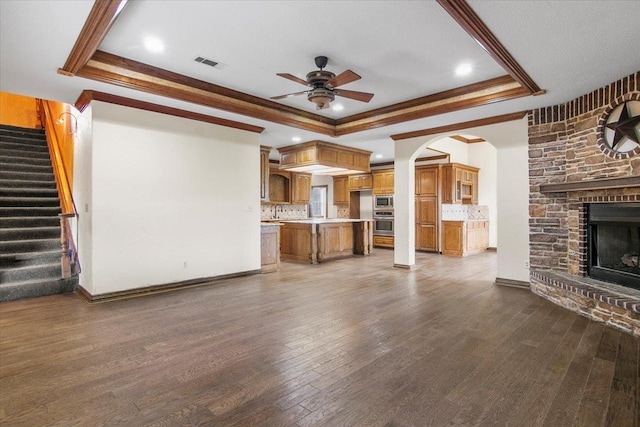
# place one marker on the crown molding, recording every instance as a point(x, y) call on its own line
point(460, 126)
point(87, 96)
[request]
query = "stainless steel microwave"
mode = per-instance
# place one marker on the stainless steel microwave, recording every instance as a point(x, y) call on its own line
point(383, 202)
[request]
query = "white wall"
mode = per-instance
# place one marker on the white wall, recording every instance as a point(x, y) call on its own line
point(458, 151)
point(166, 191)
point(484, 156)
point(513, 212)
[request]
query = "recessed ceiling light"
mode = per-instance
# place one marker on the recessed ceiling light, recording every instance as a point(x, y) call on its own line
point(337, 107)
point(153, 44)
point(296, 139)
point(464, 70)
point(378, 156)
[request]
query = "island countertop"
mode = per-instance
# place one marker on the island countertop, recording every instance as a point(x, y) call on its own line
point(323, 220)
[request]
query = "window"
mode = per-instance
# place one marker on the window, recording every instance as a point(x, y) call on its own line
point(319, 201)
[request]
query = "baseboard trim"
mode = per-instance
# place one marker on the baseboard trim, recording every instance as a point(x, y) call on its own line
point(512, 283)
point(405, 266)
point(492, 249)
point(158, 289)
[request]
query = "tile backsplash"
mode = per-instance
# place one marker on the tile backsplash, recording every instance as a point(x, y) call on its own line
point(284, 212)
point(464, 212)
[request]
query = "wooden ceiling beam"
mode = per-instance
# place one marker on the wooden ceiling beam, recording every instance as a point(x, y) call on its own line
point(461, 126)
point(102, 15)
point(462, 13)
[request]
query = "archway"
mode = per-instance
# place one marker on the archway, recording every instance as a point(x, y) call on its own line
point(511, 141)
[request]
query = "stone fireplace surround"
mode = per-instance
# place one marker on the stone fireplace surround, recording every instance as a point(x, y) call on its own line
point(570, 167)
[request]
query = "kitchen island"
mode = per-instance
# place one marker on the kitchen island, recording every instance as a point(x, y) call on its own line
point(317, 240)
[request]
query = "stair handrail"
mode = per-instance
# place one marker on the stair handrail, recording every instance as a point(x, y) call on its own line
point(67, 203)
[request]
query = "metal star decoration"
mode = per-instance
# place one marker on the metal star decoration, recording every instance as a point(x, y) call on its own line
point(624, 127)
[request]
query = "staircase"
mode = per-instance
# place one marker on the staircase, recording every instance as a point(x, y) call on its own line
point(30, 249)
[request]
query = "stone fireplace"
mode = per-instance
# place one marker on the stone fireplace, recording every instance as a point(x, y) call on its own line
point(584, 200)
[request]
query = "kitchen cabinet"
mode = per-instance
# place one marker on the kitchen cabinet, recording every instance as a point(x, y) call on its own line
point(426, 215)
point(315, 241)
point(427, 212)
point(264, 172)
point(269, 247)
point(462, 238)
point(383, 182)
point(279, 186)
point(459, 184)
point(360, 182)
point(341, 190)
point(300, 188)
point(383, 241)
point(322, 153)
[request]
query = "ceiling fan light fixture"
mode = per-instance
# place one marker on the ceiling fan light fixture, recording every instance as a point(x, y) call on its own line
point(321, 97)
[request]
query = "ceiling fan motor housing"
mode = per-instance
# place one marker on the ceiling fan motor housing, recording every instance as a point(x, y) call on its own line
point(318, 78)
point(321, 97)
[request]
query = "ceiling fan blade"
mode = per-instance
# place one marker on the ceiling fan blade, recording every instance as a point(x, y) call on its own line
point(342, 79)
point(293, 78)
point(352, 94)
point(289, 95)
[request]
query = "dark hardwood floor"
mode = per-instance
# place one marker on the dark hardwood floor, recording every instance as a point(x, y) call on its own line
point(351, 342)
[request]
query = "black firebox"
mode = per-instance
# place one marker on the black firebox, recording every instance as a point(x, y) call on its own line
point(613, 235)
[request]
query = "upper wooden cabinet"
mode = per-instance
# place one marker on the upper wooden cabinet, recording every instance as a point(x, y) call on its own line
point(279, 186)
point(340, 190)
point(300, 188)
point(264, 172)
point(360, 182)
point(459, 183)
point(382, 181)
point(320, 153)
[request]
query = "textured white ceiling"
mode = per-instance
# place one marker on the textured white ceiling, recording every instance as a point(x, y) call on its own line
point(402, 50)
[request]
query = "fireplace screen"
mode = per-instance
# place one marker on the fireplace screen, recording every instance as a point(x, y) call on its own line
point(614, 243)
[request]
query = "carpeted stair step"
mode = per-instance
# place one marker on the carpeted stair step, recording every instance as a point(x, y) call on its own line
point(7, 234)
point(27, 176)
point(25, 160)
point(24, 167)
point(7, 145)
point(26, 140)
point(29, 221)
point(9, 152)
point(21, 183)
point(36, 288)
point(30, 211)
point(9, 129)
point(33, 245)
point(24, 259)
point(29, 201)
point(30, 272)
point(27, 192)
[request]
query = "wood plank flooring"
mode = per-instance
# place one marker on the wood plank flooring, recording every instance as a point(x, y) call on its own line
point(352, 342)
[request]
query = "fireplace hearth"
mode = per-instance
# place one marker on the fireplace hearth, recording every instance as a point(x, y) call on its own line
point(613, 235)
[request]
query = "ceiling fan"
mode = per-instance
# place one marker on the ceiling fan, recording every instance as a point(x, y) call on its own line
point(324, 85)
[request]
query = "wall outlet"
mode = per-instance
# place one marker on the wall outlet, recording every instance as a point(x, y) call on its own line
point(526, 264)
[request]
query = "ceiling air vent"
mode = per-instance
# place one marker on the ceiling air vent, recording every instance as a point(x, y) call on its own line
point(210, 63)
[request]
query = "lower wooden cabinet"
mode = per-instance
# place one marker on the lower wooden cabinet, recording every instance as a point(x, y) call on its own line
point(462, 238)
point(383, 241)
point(269, 247)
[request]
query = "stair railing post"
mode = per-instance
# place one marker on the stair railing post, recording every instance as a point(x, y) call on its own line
point(66, 254)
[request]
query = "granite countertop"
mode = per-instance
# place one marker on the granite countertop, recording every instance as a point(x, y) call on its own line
point(323, 220)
